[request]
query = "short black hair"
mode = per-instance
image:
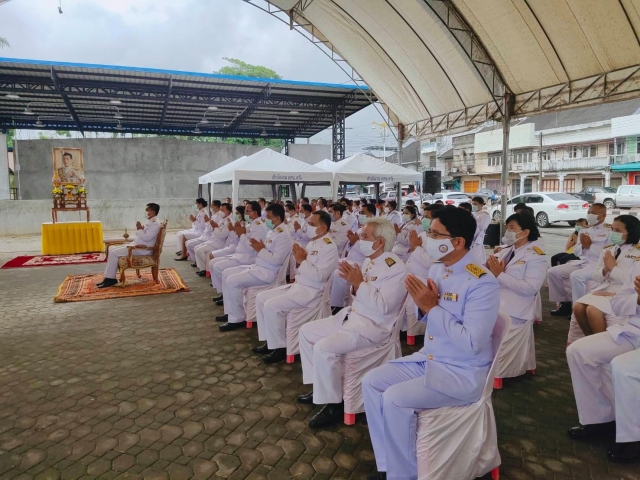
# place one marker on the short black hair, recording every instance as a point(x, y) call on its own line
point(380, 202)
point(324, 217)
point(458, 222)
point(290, 206)
point(262, 199)
point(478, 199)
point(305, 199)
point(240, 210)
point(393, 204)
point(411, 209)
point(67, 154)
point(322, 202)
point(519, 206)
point(216, 203)
point(465, 205)
point(201, 201)
point(410, 202)
point(439, 202)
point(255, 206)
point(336, 207)
point(370, 208)
point(277, 210)
point(228, 207)
point(154, 206)
point(632, 226)
point(526, 222)
point(434, 207)
point(307, 207)
point(347, 201)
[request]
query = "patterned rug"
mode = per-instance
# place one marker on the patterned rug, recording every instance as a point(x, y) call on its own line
point(82, 288)
point(52, 260)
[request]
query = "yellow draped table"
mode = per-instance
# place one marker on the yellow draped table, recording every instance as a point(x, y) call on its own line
point(71, 237)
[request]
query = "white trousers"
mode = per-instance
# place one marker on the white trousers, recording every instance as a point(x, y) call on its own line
point(321, 344)
point(581, 282)
point(394, 394)
point(191, 247)
point(592, 384)
point(340, 287)
point(217, 266)
point(234, 281)
point(272, 307)
point(479, 253)
point(111, 270)
point(202, 252)
point(188, 234)
point(560, 282)
point(625, 370)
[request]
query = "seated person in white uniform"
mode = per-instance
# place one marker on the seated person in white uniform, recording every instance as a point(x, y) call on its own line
point(391, 214)
point(208, 231)
point(410, 223)
point(219, 234)
point(568, 282)
point(263, 206)
point(460, 304)
point(352, 253)
point(521, 270)
point(289, 214)
point(316, 262)
point(339, 227)
point(145, 236)
point(379, 295)
point(299, 225)
point(607, 401)
point(230, 243)
point(270, 257)
point(252, 229)
point(593, 311)
point(197, 228)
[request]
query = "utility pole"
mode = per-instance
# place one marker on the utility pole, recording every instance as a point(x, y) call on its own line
point(540, 166)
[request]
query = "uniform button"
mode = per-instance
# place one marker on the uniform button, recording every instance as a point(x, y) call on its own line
point(430, 337)
point(430, 357)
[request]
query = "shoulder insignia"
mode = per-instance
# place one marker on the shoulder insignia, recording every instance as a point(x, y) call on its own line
point(610, 245)
point(343, 224)
point(475, 270)
point(608, 225)
point(258, 222)
point(279, 230)
point(389, 261)
point(327, 240)
point(538, 250)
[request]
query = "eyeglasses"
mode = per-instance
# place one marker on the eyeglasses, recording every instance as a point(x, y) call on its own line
point(434, 234)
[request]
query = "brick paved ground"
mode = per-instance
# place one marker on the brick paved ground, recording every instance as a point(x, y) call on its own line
point(149, 388)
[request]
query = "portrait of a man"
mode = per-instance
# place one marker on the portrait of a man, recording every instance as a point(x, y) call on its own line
point(68, 164)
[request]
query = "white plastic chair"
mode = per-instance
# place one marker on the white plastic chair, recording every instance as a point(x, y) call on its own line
point(356, 364)
point(517, 355)
point(414, 327)
point(249, 297)
point(538, 315)
point(462, 442)
point(296, 318)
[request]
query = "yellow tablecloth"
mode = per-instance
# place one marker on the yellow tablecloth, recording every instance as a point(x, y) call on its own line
point(71, 237)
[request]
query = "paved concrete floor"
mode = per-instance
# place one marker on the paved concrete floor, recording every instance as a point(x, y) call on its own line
point(149, 388)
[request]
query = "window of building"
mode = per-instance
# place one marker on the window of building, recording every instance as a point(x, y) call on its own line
point(550, 185)
point(284, 191)
point(522, 157)
point(615, 182)
point(593, 182)
point(593, 151)
point(573, 152)
point(569, 185)
point(585, 152)
point(494, 160)
point(493, 184)
point(432, 161)
point(545, 154)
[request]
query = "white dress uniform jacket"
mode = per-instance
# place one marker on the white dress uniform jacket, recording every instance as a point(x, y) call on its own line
point(197, 228)
point(394, 217)
point(216, 241)
point(146, 236)
point(339, 229)
point(401, 247)
point(272, 306)
point(483, 219)
point(450, 370)
point(300, 236)
point(339, 286)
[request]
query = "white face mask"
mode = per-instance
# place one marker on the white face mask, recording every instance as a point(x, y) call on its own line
point(436, 249)
point(366, 247)
point(387, 210)
point(406, 218)
point(310, 230)
point(592, 219)
point(510, 238)
point(287, 215)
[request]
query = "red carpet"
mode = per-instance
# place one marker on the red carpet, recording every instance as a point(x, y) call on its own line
point(51, 260)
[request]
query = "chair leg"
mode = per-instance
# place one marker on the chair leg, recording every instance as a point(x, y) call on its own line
point(532, 372)
point(495, 473)
point(537, 322)
point(249, 324)
point(154, 274)
point(349, 418)
point(291, 358)
point(208, 274)
point(122, 277)
point(497, 383)
point(411, 340)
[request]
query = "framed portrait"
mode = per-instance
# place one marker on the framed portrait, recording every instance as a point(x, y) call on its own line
point(68, 165)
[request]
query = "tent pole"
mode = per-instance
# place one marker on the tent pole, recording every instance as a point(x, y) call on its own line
point(376, 190)
point(506, 121)
point(302, 189)
point(274, 191)
point(209, 192)
point(199, 190)
point(294, 197)
point(399, 185)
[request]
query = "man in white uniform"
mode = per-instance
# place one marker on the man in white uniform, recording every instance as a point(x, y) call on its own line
point(245, 254)
point(217, 240)
point(392, 214)
point(209, 225)
point(568, 282)
point(299, 225)
point(460, 304)
point(603, 396)
point(483, 219)
point(379, 295)
point(145, 236)
point(316, 262)
point(270, 257)
point(339, 227)
point(197, 229)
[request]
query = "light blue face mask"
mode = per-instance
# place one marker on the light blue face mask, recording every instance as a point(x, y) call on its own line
point(616, 238)
point(247, 218)
point(269, 224)
point(426, 223)
point(578, 228)
point(474, 208)
point(236, 217)
point(362, 219)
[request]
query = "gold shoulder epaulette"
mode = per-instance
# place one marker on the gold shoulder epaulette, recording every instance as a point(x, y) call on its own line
point(608, 225)
point(389, 261)
point(279, 230)
point(610, 245)
point(327, 240)
point(538, 250)
point(475, 270)
point(637, 246)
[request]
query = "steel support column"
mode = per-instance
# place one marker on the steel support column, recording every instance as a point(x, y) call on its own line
point(401, 135)
point(65, 98)
point(337, 135)
point(504, 181)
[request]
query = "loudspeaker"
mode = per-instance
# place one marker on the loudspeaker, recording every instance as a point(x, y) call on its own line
point(431, 181)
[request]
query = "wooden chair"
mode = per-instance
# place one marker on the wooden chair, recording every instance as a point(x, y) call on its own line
point(152, 260)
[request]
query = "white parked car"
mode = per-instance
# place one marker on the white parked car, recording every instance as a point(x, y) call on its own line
point(548, 207)
point(448, 198)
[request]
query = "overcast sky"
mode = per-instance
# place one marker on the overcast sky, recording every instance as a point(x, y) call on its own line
point(191, 35)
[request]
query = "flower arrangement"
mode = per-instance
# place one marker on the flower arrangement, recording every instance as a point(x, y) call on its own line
point(56, 191)
point(69, 187)
point(82, 190)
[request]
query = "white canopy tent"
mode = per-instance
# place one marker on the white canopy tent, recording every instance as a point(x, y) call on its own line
point(363, 169)
point(267, 167)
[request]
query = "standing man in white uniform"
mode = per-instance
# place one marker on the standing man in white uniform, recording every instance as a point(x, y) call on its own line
point(145, 236)
point(316, 262)
point(270, 256)
point(568, 282)
point(379, 295)
point(460, 304)
point(483, 219)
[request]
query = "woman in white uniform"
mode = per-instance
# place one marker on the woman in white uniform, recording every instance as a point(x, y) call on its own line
point(410, 222)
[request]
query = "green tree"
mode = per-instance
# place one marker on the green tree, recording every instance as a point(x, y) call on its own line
point(243, 69)
point(11, 134)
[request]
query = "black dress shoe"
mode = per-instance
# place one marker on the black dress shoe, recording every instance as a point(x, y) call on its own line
point(219, 297)
point(305, 398)
point(107, 282)
point(202, 273)
point(278, 355)
point(194, 265)
point(227, 327)
point(335, 310)
point(377, 476)
point(624, 452)
point(222, 318)
point(220, 303)
point(563, 310)
point(330, 414)
point(179, 252)
point(262, 349)
point(586, 432)
point(181, 259)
